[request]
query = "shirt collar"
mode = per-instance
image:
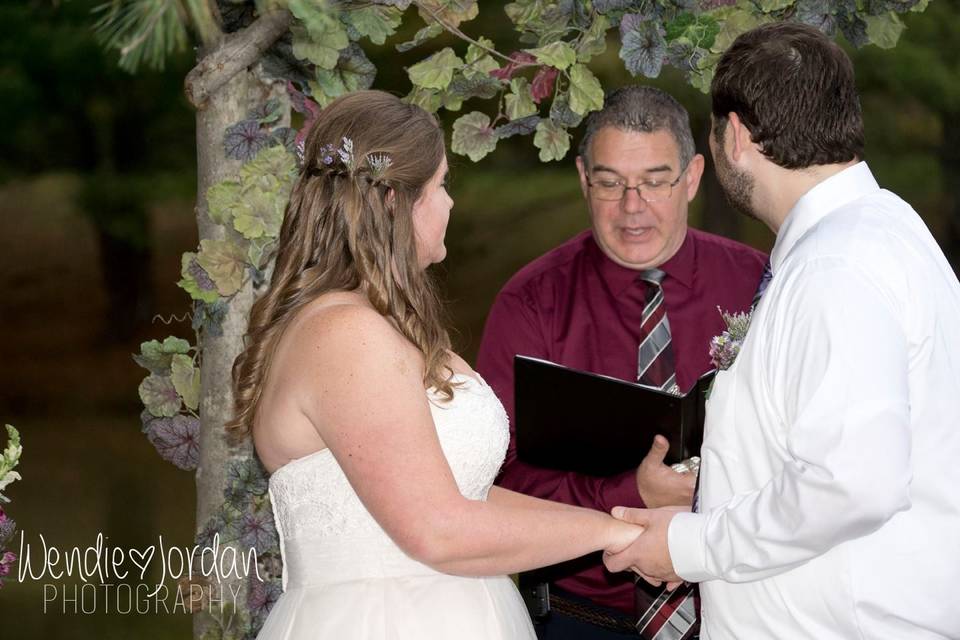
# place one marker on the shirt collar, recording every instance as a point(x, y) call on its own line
point(680, 266)
point(813, 206)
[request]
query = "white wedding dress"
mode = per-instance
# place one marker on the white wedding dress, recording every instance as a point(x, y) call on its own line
point(344, 578)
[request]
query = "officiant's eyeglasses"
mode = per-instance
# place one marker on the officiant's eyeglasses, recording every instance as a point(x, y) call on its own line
point(648, 190)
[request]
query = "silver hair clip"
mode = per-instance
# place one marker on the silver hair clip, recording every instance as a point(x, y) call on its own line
point(378, 164)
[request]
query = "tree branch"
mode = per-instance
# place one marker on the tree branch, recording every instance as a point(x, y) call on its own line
point(237, 51)
point(460, 34)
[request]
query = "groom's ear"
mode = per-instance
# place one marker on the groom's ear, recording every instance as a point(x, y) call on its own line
point(740, 137)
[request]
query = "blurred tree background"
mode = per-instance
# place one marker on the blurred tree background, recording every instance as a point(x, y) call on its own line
point(97, 180)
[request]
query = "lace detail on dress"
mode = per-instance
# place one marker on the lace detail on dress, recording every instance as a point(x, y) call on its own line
point(313, 499)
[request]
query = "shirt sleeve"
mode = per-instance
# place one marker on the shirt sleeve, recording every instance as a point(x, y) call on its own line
point(513, 328)
point(835, 365)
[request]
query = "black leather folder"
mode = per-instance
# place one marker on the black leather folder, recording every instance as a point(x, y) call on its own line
point(578, 421)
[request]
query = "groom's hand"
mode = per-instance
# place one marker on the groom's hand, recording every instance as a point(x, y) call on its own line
point(658, 484)
point(648, 555)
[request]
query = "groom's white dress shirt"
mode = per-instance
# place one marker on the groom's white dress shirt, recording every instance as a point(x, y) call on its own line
point(830, 480)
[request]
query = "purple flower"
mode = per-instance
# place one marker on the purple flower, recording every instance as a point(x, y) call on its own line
point(326, 154)
point(6, 562)
point(723, 351)
point(725, 347)
point(7, 528)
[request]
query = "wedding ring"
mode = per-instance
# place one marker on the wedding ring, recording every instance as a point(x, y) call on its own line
point(690, 465)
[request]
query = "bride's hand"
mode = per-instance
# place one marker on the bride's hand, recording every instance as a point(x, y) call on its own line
point(620, 535)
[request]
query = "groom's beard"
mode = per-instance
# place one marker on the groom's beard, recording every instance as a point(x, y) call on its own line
point(737, 186)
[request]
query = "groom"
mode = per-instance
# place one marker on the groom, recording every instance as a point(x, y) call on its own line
point(829, 498)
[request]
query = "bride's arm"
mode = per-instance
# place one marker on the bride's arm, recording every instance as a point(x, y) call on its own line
point(506, 497)
point(362, 388)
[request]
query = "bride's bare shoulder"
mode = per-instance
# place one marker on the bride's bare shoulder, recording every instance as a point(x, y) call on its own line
point(344, 325)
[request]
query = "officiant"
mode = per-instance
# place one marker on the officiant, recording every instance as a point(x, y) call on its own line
point(634, 297)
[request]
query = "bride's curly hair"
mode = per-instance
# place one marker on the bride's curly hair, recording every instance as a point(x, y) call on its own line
point(342, 232)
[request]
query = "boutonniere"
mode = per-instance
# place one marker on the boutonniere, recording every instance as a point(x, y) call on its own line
point(725, 347)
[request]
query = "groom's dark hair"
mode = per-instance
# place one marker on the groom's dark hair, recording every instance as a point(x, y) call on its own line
point(794, 90)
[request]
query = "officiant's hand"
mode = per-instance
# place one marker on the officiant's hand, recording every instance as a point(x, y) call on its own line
point(648, 556)
point(658, 484)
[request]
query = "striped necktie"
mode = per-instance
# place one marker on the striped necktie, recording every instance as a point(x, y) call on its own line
point(662, 614)
point(765, 279)
point(656, 365)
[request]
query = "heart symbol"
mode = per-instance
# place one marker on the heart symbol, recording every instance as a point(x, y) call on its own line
point(142, 558)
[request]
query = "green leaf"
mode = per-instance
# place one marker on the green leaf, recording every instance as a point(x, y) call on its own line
point(319, 21)
point(519, 102)
point(554, 23)
point(593, 42)
point(769, 6)
point(186, 380)
point(222, 199)
point(159, 396)
point(556, 54)
point(552, 140)
point(195, 281)
point(479, 62)
point(265, 184)
point(272, 169)
point(156, 356)
point(475, 53)
point(473, 136)
point(376, 22)
point(435, 72)
point(451, 101)
point(884, 30)
point(322, 36)
point(324, 56)
point(224, 262)
point(696, 31)
point(261, 215)
point(451, 12)
point(586, 94)
point(428, 32)
point(427, 99)
point(259, 248)
point(733, 22)
point(353, 71)
point(525, 12)
point(172, 344)
point(703, 75)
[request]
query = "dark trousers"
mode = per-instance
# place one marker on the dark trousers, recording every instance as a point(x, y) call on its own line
point(560, 626)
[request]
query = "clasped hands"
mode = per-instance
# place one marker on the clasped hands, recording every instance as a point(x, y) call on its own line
point(660, 486)
point(648, 555)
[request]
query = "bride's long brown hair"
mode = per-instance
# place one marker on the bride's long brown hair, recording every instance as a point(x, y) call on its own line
point(341, 231)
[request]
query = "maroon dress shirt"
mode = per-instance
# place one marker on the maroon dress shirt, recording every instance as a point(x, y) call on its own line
point(576, 307)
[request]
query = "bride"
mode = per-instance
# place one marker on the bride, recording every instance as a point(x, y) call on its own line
point(382, 443)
